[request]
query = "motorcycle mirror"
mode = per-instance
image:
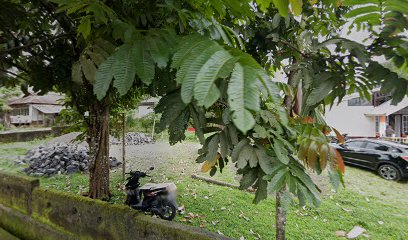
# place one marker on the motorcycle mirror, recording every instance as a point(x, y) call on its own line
point(151, 168)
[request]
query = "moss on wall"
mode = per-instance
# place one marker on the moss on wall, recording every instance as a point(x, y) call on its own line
point(4, 235)
point(15, 191)
point(25, 227)
point(50, 213)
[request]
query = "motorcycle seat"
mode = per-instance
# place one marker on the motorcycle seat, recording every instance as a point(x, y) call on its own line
point(156, 186)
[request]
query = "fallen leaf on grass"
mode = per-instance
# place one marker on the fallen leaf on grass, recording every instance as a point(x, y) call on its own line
point(380, 222)
point(346, 210)
point(340, 233)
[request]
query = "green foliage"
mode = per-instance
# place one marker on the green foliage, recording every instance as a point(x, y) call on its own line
point(387, 21)
point(134, 58)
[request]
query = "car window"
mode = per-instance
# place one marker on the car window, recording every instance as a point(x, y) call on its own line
point(376, 146)
point(396, 150)
point(355, 144)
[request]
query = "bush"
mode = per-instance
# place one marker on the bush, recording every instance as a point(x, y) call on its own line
point(2, 128)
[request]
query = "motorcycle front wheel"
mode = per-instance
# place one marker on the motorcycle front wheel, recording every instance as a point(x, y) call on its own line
point(167, 210)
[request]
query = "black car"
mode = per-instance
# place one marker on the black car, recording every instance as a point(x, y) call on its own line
point(388, 159)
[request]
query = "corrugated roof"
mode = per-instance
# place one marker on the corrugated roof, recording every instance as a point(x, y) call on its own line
point(50, 99)
point(386, 108)
point(48, 109)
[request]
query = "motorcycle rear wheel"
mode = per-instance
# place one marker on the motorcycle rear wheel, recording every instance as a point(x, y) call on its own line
point(167, 210)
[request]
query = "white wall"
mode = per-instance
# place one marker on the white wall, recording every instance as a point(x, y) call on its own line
point(351, 120)
point(144, 110)
point(35, 114)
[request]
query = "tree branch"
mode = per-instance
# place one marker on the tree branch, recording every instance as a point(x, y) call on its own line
point(292, 47)
point(15, 75)
point(35, 43)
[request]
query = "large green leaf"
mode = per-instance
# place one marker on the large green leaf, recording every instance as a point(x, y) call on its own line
point(265, 161)
point(159, 51)
point(88, 68)
point(277, 181)
point(296, 6)
point(320, 91)
point(261, 188)
point(243, 95)
point(192, 66)
point(144, 64)
point(282, 6)
point(205, 90)
point(123, 69)
point(186, 47)
point(245, 156)
point(76, 72)
point(281, 152)
point(248, 179)
point(103, 78)
point(362, 10)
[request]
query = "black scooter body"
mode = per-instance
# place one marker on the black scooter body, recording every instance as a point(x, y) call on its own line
point(158, 201)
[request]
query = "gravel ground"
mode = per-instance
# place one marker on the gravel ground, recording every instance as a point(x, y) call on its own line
point(68, 138)
point(140, 157)
point(160, 155)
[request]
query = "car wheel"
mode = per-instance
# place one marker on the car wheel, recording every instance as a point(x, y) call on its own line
point(389, 172)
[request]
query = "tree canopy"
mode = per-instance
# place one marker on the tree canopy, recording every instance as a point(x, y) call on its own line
point(214, 63)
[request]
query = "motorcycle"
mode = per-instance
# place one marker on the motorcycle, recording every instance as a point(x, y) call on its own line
point(156, 198)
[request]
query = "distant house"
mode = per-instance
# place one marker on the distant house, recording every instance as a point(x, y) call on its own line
point(35, 109)
point(358, 117)
point(146, 107)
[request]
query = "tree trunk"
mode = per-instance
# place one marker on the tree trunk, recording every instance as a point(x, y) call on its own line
point(98, 140)
point(280, 216)
point(293, 108)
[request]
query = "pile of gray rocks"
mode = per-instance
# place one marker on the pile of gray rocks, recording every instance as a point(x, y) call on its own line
point(133, 138)
point(59, 158)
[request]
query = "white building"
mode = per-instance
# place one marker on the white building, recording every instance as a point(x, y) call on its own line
point(35, 109)
point(146, 107)
point(361, 118)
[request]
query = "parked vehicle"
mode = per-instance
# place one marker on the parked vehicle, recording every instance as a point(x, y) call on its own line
point(388, 159)
point(156, 198)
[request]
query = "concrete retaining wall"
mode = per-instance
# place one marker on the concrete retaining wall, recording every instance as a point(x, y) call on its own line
point(22, 136)
point(28, 211)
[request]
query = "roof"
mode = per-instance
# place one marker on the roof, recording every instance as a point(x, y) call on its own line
point(381, 141)
point(50, 99)
point(48, 109)
point(386, 108)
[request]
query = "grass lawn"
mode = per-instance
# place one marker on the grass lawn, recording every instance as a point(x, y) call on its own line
point(379, 206)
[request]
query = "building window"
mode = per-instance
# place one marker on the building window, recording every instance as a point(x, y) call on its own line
point(358, 102)
point(20, 111)
point(405, 124)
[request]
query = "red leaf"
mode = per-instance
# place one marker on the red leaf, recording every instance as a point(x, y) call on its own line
point(339, 136)
point(307, 120)
point(340, 162)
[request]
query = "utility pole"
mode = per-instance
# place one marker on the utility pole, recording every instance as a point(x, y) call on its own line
point(123, 145)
